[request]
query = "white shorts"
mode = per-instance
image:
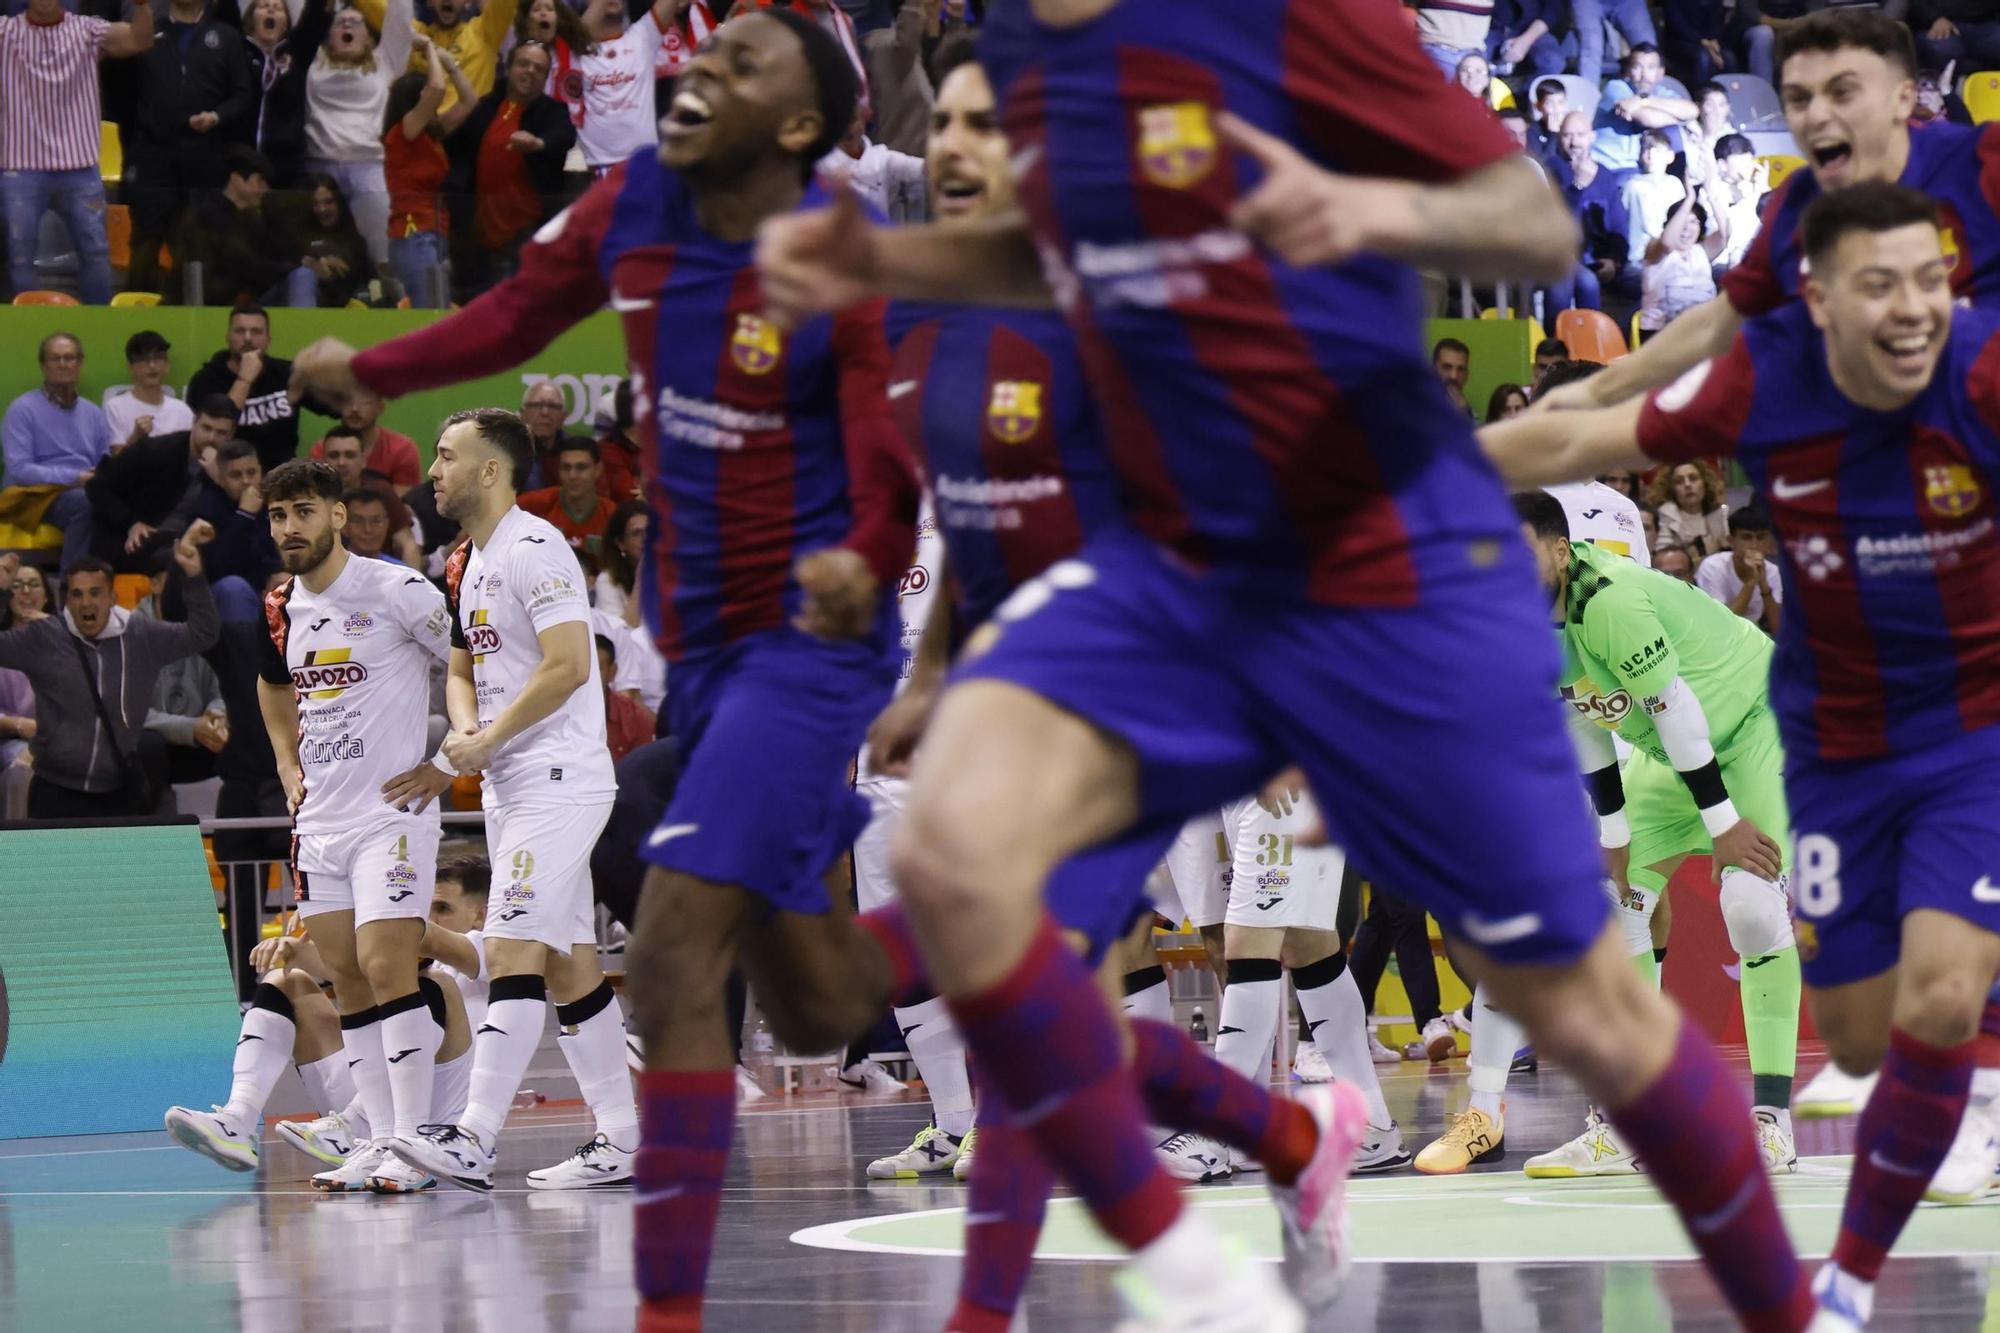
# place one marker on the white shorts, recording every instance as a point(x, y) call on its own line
point(873, 886)
point(1199, 863)
point(541, 872)
point(384, 871)
point(451, 1088)
point(1273, 882)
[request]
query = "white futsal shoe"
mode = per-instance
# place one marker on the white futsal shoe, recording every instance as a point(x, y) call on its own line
point(1310, 1066)
point(1830, 1093)
point(869, 1077)
point(455, 1156)
point(1595, 1152)
point(1774, 1140)
point(392, 1175)
point(1193, 1158)
point(215, 1136)
point(932, 1153)
point(598, 1164)
point(1967, 1175)
point(353, 1173)
point(1312, 1210)
point(1243, 1297)
point(329, 1139)
point(1844, 1302)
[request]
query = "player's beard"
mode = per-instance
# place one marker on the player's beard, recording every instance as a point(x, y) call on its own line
point(312, 558)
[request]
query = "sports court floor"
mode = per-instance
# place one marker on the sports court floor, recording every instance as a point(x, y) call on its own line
point(130, 1232)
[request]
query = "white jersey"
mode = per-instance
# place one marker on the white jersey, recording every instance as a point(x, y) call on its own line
point(471, 989)
point(123, 411)
point(523, 581)
point(359, 656)
point(1603, 517)
point(618, 118)
point(914, 599)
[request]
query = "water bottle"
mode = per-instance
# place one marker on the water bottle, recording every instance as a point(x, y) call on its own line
point(1198, 1027)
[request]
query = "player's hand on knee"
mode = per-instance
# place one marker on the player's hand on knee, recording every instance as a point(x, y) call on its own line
point(893, 735)
point(416, 788)
point(841, 595)
point(325, 370)
point(1744, 844)
point(273, 954)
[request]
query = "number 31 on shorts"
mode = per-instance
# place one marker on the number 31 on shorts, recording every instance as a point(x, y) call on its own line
point(1816, 875)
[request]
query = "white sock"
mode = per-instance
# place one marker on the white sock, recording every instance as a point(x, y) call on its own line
point(410, 1041)
point(327, 1082)
point(1339, 1028)
point(1154, 999)
point(361, 1038)
point(939, 1055)
point(1249, 1019)
point(1495, 1038)
point(591, 1035)
point(517, 1009)
point(356, 1116)
point(263, 1049)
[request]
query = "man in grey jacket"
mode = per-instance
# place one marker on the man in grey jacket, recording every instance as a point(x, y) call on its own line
point(83, 771)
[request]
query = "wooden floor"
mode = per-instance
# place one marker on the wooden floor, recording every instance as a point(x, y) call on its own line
point(129, 1232)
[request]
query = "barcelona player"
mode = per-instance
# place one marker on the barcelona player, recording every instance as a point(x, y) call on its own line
point(1308, 518)
point(1869, 417)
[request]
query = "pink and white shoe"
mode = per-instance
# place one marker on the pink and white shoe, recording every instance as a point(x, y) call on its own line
point(1313, 1209)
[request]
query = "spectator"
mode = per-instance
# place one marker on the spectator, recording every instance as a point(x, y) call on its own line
point(1649, 524)
point(1531, 34)
point(49, 100)
point(617, 451)
point(617, 95)
point(615, 606)
point(347, 92)
point(31, 598)
point(93, 669)
point(1688, 497)
point(1587, 17)
point(1650, 197)
point(1741, 577)
point(344, 455)
point(259, 384)
point(436, 534)
point(388, 455)
point(1516, 125)
point(507, 169)
point(194, 96)
point(53, 437)
point(1507, 401)
point(1474, 75)
point(902, 91)
point(1626, 483)
point(17, 729)
point(232, 503)
point(330, 241)
point(1736, 195)
point(415, 165)
point(1632, 105)
point(367, 530)
point(1594, 197)
point(472, 42)
point(1965, 33)
point(1551, 109)
point(1548, 352)
point(243, 257)
point(148, 407)
point(558, 29)
point(280, 56)
point(186, 711)
point(135, 490)
point(574, 504)
point(892, 183)
point(543, 409)
point(627, 724)
point(1710, 127)
point(1451, 30)
point(1452, 360)
point(1706, 38)
point(1673, 559)
point(1679, 273)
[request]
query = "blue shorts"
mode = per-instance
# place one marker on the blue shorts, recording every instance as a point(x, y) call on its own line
point(1878, 838)
point(1101, 891)
point(1432, 735)
point(767, 728)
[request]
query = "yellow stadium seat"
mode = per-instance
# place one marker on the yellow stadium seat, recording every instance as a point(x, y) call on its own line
point(45, 298)
point(124, 300)
point(1982, 95)
point(1500, 95)
point(110, 151)
point(1590, 335)
point(1781, 165)
point(1637, 332)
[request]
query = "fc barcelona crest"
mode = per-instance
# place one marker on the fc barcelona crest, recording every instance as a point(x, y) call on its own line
point(1951, 490)
point(1176, 144)
point(1015, 413)
point(756, 346)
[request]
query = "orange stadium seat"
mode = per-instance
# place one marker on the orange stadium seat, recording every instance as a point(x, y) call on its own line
point(1590, 335)
point(118, 231)
point(45, 298)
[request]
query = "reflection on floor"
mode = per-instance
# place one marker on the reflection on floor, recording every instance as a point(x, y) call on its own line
point(119, 1232)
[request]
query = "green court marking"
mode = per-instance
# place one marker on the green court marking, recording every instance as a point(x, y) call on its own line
point(1473, 1218)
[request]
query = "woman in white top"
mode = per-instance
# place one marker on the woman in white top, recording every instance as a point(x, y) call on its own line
point(1688, 502)
point(346, 91)
point(615, 598)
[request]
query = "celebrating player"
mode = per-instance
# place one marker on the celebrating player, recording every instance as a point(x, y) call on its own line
point(1869, 417)
point(1311, 519)
point(527, 710)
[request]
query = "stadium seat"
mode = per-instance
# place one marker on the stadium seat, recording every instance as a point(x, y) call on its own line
point(1500, 95)
point(45, 298)
point(128, 590)
point(1673, 87)
point(1982, 95)
point(123, 300)
point(1752, 101)
point(118, 231)
point(1583, 94)
point(1591, 335)
point(1637, 333)
point(110, 152)
point(1781, 165)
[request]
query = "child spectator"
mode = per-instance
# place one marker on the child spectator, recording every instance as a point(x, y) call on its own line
point(1679, 269)
point(1650, 197)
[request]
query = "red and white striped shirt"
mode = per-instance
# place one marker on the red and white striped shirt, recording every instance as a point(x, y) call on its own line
point(679, 47)
point(48, 93)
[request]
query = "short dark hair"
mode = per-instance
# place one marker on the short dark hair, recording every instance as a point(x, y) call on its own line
point(1729, 145)
point(1542, 512)
point(363, 495)
point(218, 405)
point(576, 444)
point(506, 432)
point(1750, 518)
point(472, 874)
point(145, 343)
point(1831, 30)
point(961, 47)
point(604, 645)
point(1448, 345)
point(1513, 113)
point(302, 479)
point(90, 564)
point(1552, 347)
point(1640, 49)
point(238, 448)
point(1568, 372)
point(834, 82)
point(1711, 86)
point(250, 308)
point(341, 432)
point(245, 162)
point(1546, 86)
point(1871, 206)
point(1656, 139)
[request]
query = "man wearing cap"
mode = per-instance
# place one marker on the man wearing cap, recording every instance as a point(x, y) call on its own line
point(149, 407)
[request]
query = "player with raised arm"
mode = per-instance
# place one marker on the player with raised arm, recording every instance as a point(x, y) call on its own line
point(1869, 417)
point(527, 710)
point(343, 691)
point(1309, 517)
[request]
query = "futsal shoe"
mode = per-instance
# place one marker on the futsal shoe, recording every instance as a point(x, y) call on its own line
point(1379, 1053)
point(455, 1156)
point(1969, 1168)
point(329, 1139)
point(1831, 1093)
point(1774, 1140)
point(869, 1077)
point(962, 1168)
point(1381, 1150)
point(933, 1152)
point(1195, 1159)
point(1436, 1043)
point(1845, 1302)
point(1595, 1152)
point(1309, 1066)
point(1472, 1137)
point(598, 1164)
point(215, 1136)
point(393, 1175)
point(748, 1089)
point(1524, 1061)
point(352, 1174)
point(1313, 1208)
point(1245, 1297)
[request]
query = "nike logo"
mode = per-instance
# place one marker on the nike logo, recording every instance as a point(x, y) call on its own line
point(1796, 490)
point(1504, 931)
point(400, 1056)
point(488, 1027)
point(1224, 1030)
point(320, 624)
point(625, 305)
point(400, 894)
point(248, 1036)
point(1984, 892)
point(661, 837)
point(984, 1219)
point(903, 388)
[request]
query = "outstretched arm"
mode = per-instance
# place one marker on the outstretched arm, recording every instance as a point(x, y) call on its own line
point(1706, 331)
point(1544, 449)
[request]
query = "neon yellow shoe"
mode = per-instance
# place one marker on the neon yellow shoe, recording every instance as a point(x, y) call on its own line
point(1472, 1137)
point(1595, 1152)
point(962, 1168)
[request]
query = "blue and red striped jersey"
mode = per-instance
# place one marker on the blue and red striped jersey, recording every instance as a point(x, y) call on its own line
point(1007, 437)
point(1956, 165)
point(1276, 425)
point(758, 445)
point(1890, 639)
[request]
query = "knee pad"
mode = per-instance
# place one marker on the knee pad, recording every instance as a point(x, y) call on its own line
point(1756, 914)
